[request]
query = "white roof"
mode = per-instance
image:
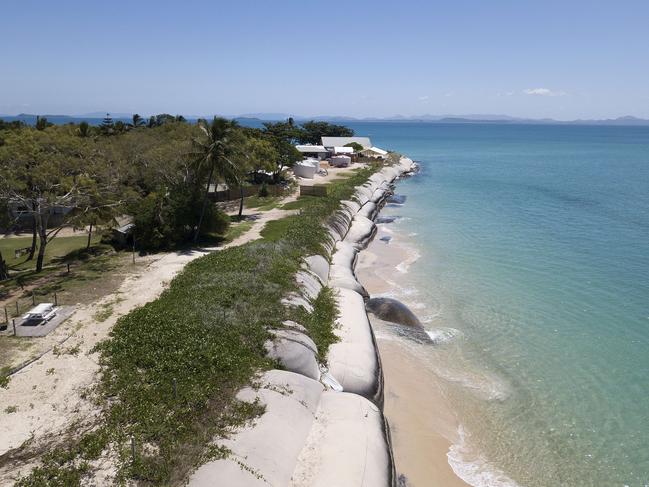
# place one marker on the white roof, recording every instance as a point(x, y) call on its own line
point(341, 141)
point(344, 150)
point(376, 150)
point(311, 148)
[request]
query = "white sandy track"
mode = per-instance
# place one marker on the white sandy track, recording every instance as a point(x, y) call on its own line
point(47, 394)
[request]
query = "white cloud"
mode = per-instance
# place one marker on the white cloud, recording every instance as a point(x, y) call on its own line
point(424, 98)
point(449, 94)
point(543, 92)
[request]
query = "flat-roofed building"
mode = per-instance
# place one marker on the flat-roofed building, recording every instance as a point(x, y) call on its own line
point(317, 151)
point(331, 142)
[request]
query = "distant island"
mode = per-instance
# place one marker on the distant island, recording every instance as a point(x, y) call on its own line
point(95, 118)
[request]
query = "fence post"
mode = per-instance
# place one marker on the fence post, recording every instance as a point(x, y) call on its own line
point(17, 310)
point(56, 301)
point(68, 264)
point(13, 322)
point(33, 299)
point(6, 316)
point(133, 448)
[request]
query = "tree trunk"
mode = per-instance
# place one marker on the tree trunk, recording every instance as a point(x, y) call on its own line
point(42, 232)
point(89, 236)
point(207, 192)
point(241, 202)
point(4, 271)
point(32, 250)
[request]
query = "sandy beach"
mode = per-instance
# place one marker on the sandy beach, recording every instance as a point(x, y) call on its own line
point(423, 425)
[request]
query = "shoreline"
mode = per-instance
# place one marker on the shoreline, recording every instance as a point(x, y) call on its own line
point(423, 425)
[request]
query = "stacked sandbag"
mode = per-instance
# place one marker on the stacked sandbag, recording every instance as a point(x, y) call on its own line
point(294, 350)
point(307, 436)
point(354, 359)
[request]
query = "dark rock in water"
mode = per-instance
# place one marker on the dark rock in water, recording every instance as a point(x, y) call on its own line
point(389, 309)
point(386, 239)
point(407, 324)
point(398, 199)
point(385, 219)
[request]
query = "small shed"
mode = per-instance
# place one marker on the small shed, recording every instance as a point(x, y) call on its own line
point(123, 236)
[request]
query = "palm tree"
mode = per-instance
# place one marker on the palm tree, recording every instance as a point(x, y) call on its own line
point(214, 152)
point(136, 122)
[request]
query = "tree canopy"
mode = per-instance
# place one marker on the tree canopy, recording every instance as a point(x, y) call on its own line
point(158, 172)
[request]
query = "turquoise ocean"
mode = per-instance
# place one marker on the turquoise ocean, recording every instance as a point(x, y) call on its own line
point(532, 248)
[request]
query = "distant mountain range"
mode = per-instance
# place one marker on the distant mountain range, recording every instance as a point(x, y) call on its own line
point(95, 118)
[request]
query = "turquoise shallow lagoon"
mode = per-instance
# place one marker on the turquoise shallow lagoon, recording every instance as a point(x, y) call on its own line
point(534, 246)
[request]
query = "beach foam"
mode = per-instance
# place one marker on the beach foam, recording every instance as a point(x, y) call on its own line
point(473, 468)
point(443, 335)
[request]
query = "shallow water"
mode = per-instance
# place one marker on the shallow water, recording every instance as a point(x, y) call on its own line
point(530, 260)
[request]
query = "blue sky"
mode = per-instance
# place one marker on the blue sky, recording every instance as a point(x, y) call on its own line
point(565, 60)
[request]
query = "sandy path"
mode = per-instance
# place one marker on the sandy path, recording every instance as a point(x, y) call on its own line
point(47, 394)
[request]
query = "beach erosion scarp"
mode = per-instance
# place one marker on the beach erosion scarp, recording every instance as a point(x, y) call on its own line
point(322, 426)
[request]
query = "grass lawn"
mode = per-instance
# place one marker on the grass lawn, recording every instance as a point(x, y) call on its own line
point(299, 203)
point(264, 203)
point(57, 248)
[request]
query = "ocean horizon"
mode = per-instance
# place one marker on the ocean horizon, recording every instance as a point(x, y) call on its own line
point(531, 246)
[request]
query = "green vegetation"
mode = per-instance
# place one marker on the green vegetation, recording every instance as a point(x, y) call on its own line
point(298, 204)
point(355, 145)
point(4, 376)
point(160, 173)
point(262, 203)
point(238, 229)
point(319, 323)
point(59, 248)
point(170, 370)
point(105, 312)
point(172, 367)
point(313, 131)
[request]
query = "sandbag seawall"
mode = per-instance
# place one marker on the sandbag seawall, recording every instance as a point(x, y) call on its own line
point(320, 427)
point(354, 360)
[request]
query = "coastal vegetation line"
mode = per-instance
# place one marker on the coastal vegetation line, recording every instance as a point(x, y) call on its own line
point(192, 349)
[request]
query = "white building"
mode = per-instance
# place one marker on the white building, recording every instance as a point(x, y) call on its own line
point(375, 153)
point(347, 151)
point(331, 142)
point(316, 151)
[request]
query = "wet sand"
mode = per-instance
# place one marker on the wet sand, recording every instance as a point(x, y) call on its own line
point(422, 424)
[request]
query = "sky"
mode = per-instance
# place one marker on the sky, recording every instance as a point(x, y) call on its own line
point(535, 59)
